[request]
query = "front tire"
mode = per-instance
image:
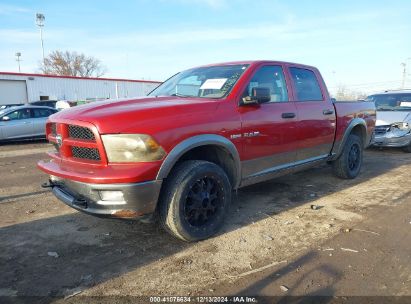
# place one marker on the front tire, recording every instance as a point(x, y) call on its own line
point(195, 200)
point(348, 164)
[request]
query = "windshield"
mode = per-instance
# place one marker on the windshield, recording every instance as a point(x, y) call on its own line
point(206, 82)
point(392, 102)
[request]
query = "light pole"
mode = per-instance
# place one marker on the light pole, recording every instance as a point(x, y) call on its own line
point(40, 23)
point(18, 55)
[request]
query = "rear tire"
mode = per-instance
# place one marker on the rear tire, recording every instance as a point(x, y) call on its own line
point(195, 200)
point(348, 165)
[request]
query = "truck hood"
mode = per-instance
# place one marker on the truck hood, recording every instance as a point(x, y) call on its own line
point(390, 117)
point(129, 115)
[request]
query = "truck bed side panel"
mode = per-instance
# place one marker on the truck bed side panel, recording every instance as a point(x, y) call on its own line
point(347, 112)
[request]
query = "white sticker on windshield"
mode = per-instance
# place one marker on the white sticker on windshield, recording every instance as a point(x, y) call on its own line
point(214, 84)
point(405, 104)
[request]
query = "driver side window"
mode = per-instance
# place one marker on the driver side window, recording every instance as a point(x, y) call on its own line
point(19, 114)
point(272, 78)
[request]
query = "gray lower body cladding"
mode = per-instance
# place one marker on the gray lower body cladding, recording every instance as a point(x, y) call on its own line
point(108, 200)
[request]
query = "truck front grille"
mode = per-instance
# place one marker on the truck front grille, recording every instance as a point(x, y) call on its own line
point(85, 153)
point(76, 143)
point(78, 132)
point(381, 130)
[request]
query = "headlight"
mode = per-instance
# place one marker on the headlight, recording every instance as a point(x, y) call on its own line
point(403, 126)
point(132, 148)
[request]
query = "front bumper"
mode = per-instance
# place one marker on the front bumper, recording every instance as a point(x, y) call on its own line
point(392, 141)
point(137, 200)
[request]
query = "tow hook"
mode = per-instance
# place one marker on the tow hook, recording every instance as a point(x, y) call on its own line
point(48, 184)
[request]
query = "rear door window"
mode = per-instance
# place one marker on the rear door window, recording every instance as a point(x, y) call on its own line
point(306, 85)
point(39, 113)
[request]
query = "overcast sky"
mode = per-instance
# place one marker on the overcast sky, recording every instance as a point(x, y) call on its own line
point(360, 44)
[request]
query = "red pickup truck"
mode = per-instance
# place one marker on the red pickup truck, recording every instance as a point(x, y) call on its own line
point(179, 152)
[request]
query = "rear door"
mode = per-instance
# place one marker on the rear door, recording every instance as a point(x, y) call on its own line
point(40, 116)
point(315, 112)
point(19, 125)
point(269, 130)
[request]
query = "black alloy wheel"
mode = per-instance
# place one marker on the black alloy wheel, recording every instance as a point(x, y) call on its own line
point(203, 201)
point(194, 200)
point(354, 157)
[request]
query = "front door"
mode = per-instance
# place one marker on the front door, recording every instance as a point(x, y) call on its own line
point(269, 130)
point(19, 124)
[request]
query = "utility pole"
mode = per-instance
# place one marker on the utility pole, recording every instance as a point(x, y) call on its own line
point(404, 72)
point(18, 55)
point(40, 23)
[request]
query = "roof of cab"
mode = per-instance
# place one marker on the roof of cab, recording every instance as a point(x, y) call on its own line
point(402, 91)
point(255, 62)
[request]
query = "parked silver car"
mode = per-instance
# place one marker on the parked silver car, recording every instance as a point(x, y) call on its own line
point(24, 122)
point(393, 126)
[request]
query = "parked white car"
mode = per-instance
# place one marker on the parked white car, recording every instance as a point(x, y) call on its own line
point(393, 125)
point(62, 105)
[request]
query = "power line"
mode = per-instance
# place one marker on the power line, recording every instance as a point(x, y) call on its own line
point(369, 84)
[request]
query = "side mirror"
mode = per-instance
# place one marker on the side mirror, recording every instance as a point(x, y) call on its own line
point(5, 118)
point(258, 95)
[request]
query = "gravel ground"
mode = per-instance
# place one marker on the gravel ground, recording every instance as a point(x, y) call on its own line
point(49, 249)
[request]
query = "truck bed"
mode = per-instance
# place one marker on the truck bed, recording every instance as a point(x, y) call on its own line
point(346, 111)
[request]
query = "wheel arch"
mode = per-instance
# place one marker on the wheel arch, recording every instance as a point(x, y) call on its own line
point(220, 151)
point(357, 126)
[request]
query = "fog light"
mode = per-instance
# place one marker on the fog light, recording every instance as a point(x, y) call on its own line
point(112, 195)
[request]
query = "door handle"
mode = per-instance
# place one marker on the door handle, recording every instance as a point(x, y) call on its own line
point(328, 112)
point(288, 115)
point(26, 122)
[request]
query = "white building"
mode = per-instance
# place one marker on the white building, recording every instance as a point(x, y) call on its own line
point(18, 88)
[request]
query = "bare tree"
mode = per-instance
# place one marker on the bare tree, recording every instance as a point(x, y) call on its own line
point(345, 94)
point(72, 64)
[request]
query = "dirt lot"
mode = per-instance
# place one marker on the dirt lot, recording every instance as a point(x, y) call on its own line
point(356, 243)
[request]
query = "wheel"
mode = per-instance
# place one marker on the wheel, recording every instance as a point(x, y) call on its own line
point(407, 148)
point(195, 200)
point(348, 165)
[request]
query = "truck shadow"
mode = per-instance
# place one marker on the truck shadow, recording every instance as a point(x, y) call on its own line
point(273, 197)
point(314, 294)
point(92, 250)
point(11, 198)
point(20, 142)
point(47, 257)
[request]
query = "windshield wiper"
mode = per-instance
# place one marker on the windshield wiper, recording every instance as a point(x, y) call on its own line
point(180, 95)
point(385, 109)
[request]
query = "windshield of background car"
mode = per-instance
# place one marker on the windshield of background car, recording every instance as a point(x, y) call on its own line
point(205, 82)
point(391, 102)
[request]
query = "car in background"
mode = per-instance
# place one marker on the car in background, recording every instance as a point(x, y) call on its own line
point(64, 104)
point(3, 107)
point(44, 103)
point(393, 125)
point(55, 104)
point(24, 122)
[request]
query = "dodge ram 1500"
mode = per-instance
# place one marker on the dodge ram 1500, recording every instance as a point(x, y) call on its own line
point(179, 152)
